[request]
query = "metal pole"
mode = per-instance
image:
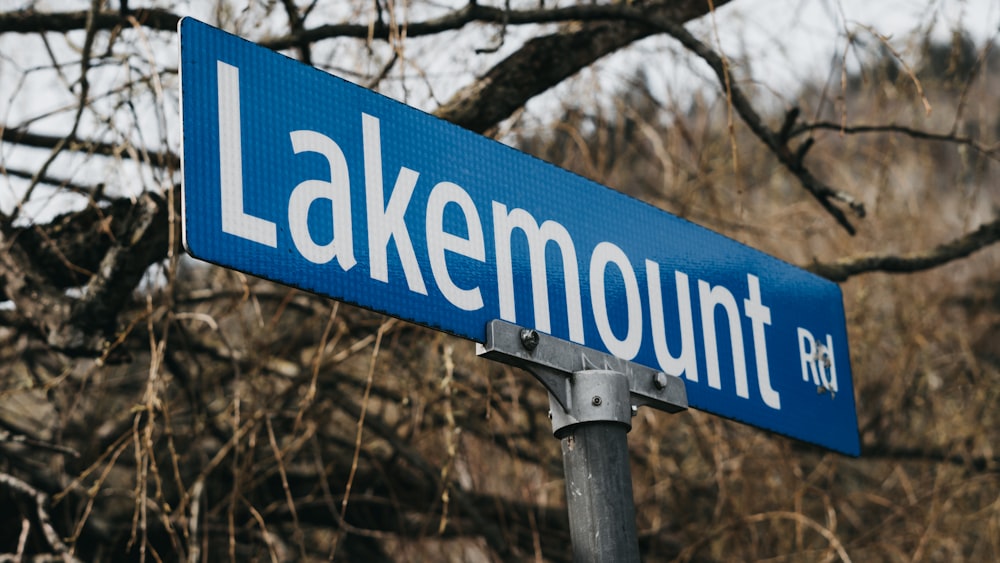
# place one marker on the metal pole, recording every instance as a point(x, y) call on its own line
point(592, 429)
point(592, 398)
point(599, 493)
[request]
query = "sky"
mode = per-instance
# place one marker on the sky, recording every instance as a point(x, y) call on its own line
point(790, 42)
point(786, 42)
point(789, 39)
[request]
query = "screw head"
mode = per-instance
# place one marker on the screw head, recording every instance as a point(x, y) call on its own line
point(660, 380)
point(596, 401)
point(529, 339)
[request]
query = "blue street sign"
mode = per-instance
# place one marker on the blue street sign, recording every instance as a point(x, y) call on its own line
point(297, 176)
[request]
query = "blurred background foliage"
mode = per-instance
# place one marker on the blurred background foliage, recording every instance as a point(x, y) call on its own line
point(232, 418)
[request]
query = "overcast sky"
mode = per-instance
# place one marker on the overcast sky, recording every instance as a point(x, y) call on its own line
point(786, 41)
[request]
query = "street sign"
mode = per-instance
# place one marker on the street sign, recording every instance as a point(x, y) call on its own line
point(297, 176)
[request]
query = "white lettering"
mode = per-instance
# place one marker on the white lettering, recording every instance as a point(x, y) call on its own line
point(235, 220)
point(827, 366)
point(454, 245)
point(538, 237)
point(337, 190)
point(710, 298)
point(385, 221)
point(760, 316)
point(807, 355)
point(438, 241)
point(817, 360)
point(686, 361)
point(606, 253)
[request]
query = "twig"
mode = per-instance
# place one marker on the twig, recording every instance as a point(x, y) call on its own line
point(471, 12)
point(317, 362)
point(963, 97)
point(6, 436)
point(827, 534)
point(95, 191)
point(823, 193)
point(31, 21)
point(40, 499)
point(451, 435)
point(902, 62)
point(487, 529)
point(164, 159)
point(364, 410)
point(88, 43)
point(22, 539)
point(989, 151)
point(296, 27)
point(273, 441)
point(908, 263)
point(978, 464)
point(194, 547)
point(269, 539)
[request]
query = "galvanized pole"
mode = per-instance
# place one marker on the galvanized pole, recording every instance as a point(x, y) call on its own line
point(598, 479)
point(592, 398)
point(599, 493)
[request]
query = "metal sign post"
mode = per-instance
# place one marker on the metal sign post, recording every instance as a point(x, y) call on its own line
point(592, 398)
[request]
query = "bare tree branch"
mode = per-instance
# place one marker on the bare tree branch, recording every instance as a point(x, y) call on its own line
point(211, 361)
point(40, 499)
point(49, 180)
point(161, 159)
point(37, 302)
point(792, 160)
point(474, 12)
point(909, 263)
point(106, 256)
point(539, 65)
point(951, 137)
point(889, 451)
point(84, 83)
point(546, 61)
point(30, 21)
point(10, 437)
point(296, 25)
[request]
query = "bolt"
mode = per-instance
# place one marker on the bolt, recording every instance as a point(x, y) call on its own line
point(596, 401)
point(529, 339)
point(660, 380)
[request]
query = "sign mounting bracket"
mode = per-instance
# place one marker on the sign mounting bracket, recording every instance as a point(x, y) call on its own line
point(554, 362)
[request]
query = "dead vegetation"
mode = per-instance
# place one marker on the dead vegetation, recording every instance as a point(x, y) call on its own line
point(233, 419)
